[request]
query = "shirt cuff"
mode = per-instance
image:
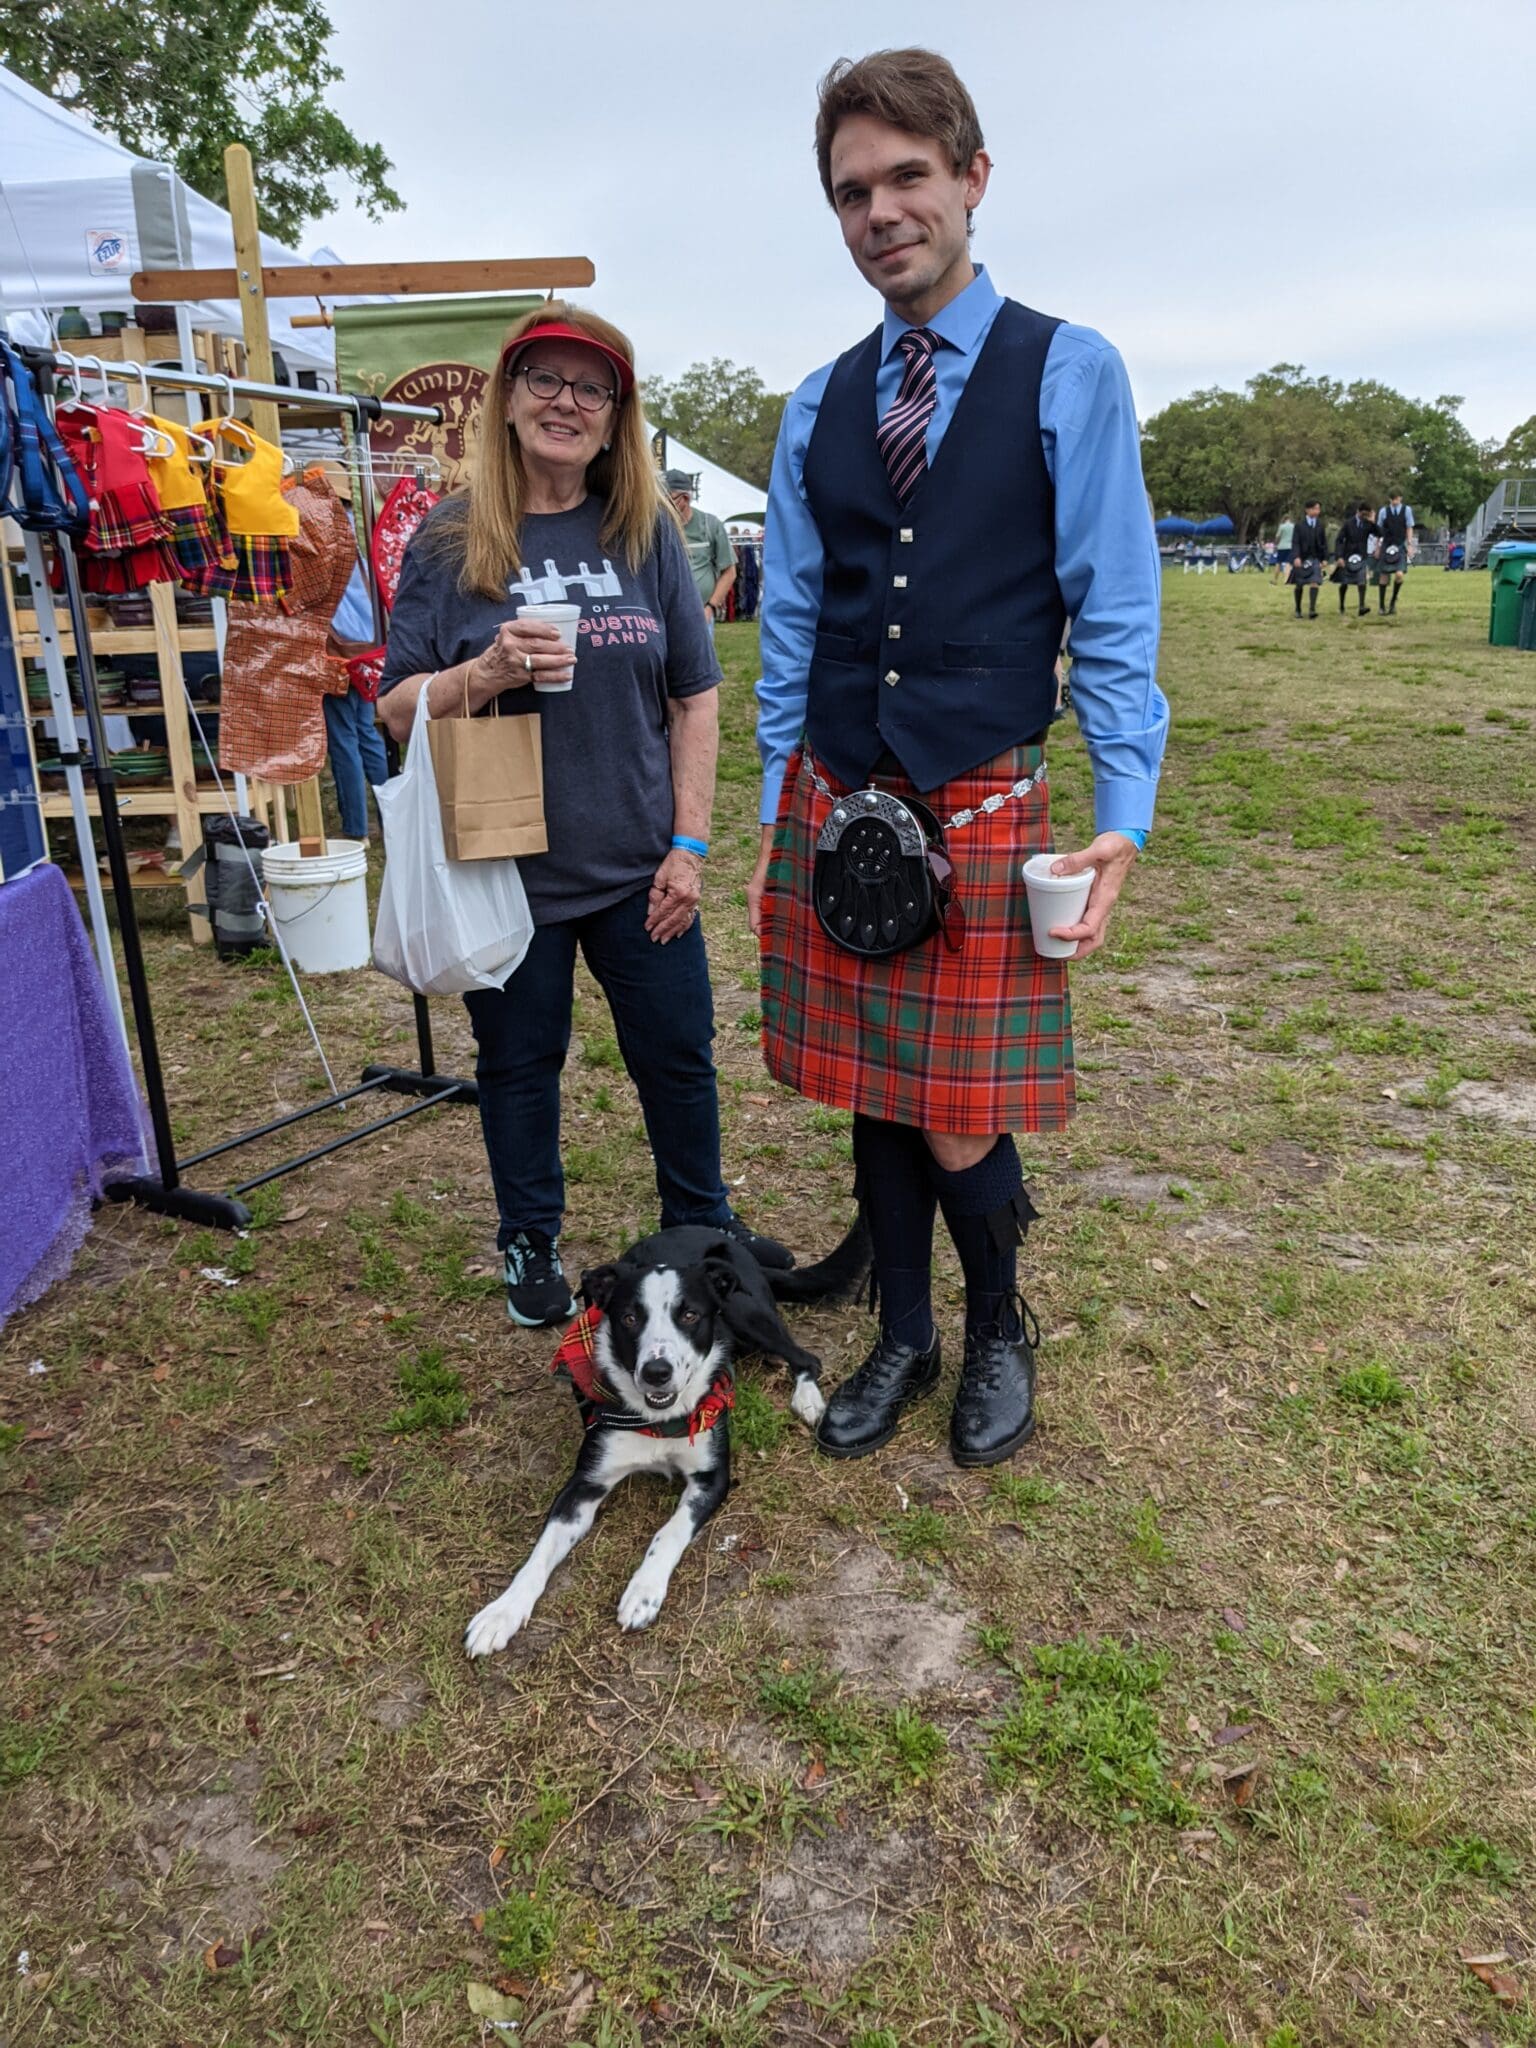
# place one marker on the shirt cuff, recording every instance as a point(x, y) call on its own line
point(773, 784)
point(1134, 833)
point(1124, 804)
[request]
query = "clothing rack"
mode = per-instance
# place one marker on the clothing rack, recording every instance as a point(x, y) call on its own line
point(165, 1191)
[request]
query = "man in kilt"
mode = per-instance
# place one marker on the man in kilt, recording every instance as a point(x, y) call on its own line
point(1394, 549)
point(945, 497)
point(1352, 555)
point(1309, 550)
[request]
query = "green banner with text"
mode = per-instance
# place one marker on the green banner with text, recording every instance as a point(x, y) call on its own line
point(426, 352)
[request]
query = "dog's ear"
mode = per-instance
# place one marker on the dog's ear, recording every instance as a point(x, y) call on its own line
point(719, 1273)
point(598, 1285)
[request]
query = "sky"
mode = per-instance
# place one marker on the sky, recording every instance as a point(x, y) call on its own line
point(1347, 186)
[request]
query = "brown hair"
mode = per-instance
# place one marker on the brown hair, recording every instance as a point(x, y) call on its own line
point(487, 531)
point(917, 90)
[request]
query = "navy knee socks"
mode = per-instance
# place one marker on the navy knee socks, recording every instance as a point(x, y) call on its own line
point(891, 1163)
point(987, 1212)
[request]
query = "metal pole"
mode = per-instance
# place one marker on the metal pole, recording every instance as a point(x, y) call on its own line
point(69, 750)
point(362, 444)
point(285, 395)
point(122, 888)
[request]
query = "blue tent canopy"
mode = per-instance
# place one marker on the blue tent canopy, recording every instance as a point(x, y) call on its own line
point(1187, 527)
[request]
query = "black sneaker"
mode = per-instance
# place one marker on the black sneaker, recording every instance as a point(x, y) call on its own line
point(766, 1250)
point(537, 1291)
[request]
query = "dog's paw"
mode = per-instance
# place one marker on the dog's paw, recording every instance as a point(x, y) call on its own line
point(495, 1626)
point(642, 1601)
point(808, 1402)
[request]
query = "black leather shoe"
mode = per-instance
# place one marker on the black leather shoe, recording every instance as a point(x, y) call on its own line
point(863, 1413)
point(995, 1407)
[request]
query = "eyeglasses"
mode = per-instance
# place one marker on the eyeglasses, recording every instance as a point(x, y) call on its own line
point(548, 384)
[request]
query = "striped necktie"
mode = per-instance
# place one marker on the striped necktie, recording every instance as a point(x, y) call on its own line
point(902, 436)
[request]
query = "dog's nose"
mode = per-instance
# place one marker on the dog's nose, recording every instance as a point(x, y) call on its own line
point(656, 1372)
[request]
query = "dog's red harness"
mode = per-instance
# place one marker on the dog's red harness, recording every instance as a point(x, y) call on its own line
point(577, 1356)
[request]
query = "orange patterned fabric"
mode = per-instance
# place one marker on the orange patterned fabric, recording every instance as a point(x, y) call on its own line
point(277, 665)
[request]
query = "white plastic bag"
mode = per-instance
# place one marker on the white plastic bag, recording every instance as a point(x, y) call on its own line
point(443, 926)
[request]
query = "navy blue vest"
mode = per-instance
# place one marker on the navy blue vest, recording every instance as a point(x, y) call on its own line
point(1394, 525)
point(941, 620)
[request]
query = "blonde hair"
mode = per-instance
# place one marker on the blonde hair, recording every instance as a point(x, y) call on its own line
point(488, 529)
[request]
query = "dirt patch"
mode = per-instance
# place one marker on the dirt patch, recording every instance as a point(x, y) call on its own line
point(403, 1701)
point(838, 1899)
point(1505, 1102)
point(235, 1859)
point(858, 1619)
point(1119, 1183)
point(1173, 988)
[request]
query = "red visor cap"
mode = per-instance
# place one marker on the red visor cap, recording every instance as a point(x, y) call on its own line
point(561, 330)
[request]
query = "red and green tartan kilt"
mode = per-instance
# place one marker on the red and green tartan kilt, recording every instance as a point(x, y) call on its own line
point(969, 1042)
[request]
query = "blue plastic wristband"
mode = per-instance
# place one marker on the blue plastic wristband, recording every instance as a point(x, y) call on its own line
point(698, 846)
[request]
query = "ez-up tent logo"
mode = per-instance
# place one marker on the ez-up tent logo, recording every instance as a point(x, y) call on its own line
point(105, 251)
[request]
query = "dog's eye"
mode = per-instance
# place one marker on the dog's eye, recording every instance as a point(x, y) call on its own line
point(629, 1319)
point(688, 1315)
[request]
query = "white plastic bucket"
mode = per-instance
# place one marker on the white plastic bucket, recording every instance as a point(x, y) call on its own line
point(320, 904)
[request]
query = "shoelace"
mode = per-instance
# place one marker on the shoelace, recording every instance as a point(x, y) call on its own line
point(983, 1368)
point(527, 1257)
point(880, 1366)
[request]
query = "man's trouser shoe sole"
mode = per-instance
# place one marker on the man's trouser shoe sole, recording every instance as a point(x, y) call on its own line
point(1014, 1443)
point(876, 1443)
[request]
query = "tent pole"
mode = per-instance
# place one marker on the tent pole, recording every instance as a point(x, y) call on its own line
point(69, 752)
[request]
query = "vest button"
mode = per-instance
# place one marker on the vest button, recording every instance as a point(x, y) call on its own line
point(905, 533)
point(893, 632)
point(898, 582)
point(891, 676)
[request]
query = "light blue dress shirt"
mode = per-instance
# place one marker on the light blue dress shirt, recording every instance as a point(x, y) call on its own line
point(1106, 554)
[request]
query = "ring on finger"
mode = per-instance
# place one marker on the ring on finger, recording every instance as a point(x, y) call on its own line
point(528, 663)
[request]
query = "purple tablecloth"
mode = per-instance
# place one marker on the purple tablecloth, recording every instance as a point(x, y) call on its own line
point(69, 1107)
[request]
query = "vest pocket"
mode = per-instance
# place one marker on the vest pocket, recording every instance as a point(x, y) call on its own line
point(988, 654)
point(834, 647)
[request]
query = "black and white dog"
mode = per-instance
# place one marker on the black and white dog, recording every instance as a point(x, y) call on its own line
point(651, 1361)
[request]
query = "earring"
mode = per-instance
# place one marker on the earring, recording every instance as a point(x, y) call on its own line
point(606, 446)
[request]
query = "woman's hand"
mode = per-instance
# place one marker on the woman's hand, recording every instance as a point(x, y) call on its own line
point(524, 651)
point(674, 898)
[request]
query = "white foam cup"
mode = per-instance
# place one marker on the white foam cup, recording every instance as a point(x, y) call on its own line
point(564, 618)
point(1055, 899)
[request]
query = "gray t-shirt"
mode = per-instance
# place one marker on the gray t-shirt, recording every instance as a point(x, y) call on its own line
point(642, 640)
point(710, 552)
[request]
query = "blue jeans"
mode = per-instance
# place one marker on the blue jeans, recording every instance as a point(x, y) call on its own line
point(663, 1012)
point(357, 758)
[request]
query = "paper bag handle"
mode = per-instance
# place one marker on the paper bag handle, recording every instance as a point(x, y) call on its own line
point(495, 712)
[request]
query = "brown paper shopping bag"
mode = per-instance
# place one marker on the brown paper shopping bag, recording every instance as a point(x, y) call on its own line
point(490, 784)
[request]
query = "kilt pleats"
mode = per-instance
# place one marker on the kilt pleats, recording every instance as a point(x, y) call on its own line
point(969, 1042)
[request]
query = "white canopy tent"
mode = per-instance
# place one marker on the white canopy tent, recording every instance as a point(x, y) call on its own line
point(718, 492)
point(79, 214)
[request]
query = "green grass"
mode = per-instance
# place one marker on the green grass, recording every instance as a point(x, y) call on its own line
point(1205, 1721)
point(1088, 1708)
point(434, 1395)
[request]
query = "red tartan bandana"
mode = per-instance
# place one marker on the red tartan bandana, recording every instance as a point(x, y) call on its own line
point(578, 1355)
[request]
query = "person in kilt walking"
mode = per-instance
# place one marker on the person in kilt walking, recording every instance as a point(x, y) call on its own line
point(945, 497)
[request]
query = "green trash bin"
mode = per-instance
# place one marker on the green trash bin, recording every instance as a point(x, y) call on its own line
point(1507, 565)
point(1527, 638)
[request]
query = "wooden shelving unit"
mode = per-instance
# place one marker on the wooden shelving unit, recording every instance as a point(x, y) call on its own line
point(182, 796)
